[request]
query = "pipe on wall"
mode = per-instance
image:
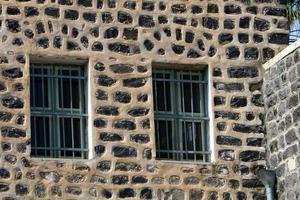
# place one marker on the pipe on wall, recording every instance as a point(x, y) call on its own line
point(268, 177)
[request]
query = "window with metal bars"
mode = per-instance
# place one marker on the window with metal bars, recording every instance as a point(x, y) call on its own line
point(58, 100)
point(181, 115)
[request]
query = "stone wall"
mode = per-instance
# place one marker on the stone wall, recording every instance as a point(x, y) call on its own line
point(232, 37)
point(282, 103)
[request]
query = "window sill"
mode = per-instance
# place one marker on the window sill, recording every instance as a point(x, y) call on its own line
point(188, 163)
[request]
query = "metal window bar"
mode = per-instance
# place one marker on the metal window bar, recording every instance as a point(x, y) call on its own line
point(64, 124)
point(188, 95)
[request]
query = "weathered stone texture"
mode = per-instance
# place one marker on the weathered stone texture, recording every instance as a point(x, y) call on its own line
point(120, 40)
point(282, 104)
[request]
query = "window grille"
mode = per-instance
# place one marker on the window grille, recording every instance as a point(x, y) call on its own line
point(181, 115)
point(58, 98)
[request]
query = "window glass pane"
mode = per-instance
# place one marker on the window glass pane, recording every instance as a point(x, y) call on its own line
point(196, 97)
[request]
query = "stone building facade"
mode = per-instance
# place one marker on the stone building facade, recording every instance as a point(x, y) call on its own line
point(281, 94)
point(232, 38)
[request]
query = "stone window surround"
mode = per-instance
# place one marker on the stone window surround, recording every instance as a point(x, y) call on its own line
point(45, 57)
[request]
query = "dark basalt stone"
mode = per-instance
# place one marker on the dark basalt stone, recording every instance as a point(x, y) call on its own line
point(15, 72)
point(99, 66)
point(139, 179)
point(210, 23)
point(214, 182)
point(56, 191)
point(179, 20)
point(12, 102)
point(84, 41)
point(71, 14)
point(191, 180)
point(178, 8)
point(128, 166)
point(21, 189)
point(101, 95)
point(146, 193)
point(242, 128)
point(232, 9)
point(142, 97)
point(218, 100)
point(137, 112)
point(90, 17)
point(65, 2)
point(257, 142)
point(252, 183)
point(111, 3)
point(217, 72)
point(162, 20)
point(104, 80)
point(124, 151)
point(234, 184)
point(122, 97)
point(126, 193)
point(148, 44)
point(111, 137)
point(99, 149)
point(12, 25)
point(232, 52)
point(145, 124)
point(212, 8)
point(85, 3)
point(228, 24)
point(98, 179)
point(124, 18)
point(243, 38)
point(278, 38)
point(147, 153)
point(104, 165)
point(127, 49)
point(261, 24)
point(242, 72)
point(40, 28)
point(241, 170)
point(161, 51)
point(106, 193)
point(238, 102)
point(124, 124)
point(244, 22)
point(178, 49)
point(99, 4)
point(121, 68)
point(255, 86)
point(257, 100)
point(227, 115)
point(57, 42)
point(74, 190)
point(53, 12)
point(17, 42)
point(193, 54)
point(20, 58)
point(196, 9)
point(107, 17)
point(196, 194)
point(12, 159)
point(252, 10)
point(31, 11)
point(21, 147)
point(140, 138)
point(5, 116)
point(10, 10)
point(2, 87)
point(212, 51)
point(168, 32)
point(147, 5)
point(134, 82)
point(226, 154)
point(40, 190)
point(275, 11)
point(146, 21)
point(178, 34)
point(131, 5)
point(130, 34)
point(97, 46)
point(268, 53)
point(72, 46)
point(6, 146)
point(225, 38)
point(4, 187)
point(228, 140)
point(4, 173)
point(229, 86)
point(100, 123)
point(108, 110)
point(142, 69)
point(189, 37)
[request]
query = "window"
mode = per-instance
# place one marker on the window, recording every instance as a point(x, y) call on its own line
point(181, 115)
point(58, 98)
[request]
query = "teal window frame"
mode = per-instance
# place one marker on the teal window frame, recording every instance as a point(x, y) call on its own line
point(181, 128)
point(58, 104)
